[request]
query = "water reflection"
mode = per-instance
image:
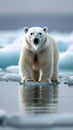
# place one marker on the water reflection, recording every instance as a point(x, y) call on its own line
point(38, 99)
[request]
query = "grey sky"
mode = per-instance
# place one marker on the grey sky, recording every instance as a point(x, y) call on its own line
point(36, 6)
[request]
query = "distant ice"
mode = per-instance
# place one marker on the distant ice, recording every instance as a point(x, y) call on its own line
point(71, 78)
point(11, 77)
point(12, 69)
point(65, 44)
point(66, 60)
point(9, 55)
point(0, 69)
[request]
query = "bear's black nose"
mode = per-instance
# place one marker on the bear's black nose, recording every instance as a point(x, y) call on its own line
point(36, 41)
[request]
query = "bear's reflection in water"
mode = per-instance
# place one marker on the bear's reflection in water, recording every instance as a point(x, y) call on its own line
point(38, 99)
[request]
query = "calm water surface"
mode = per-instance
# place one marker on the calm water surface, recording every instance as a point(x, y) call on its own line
point(36, 100)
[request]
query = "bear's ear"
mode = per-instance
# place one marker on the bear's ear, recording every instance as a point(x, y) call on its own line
point(25, 29)
point(45, 29)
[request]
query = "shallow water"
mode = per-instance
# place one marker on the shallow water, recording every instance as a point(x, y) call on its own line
point(9, 96)
point(37, 99)
point(46, 100)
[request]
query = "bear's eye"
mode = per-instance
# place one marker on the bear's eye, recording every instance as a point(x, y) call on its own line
point(40, 33)
point(31, 33)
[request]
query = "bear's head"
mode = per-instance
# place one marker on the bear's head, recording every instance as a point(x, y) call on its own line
point(35, 36)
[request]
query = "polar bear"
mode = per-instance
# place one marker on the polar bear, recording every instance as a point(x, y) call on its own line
point(39, 56)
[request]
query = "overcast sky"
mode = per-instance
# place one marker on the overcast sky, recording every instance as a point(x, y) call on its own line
point(36, 6)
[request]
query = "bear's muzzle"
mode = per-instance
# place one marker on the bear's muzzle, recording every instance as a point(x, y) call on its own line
point(36, 41)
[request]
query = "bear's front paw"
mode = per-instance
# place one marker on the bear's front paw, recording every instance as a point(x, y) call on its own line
point(44, 80)
point(27, 79)
point(54, 79)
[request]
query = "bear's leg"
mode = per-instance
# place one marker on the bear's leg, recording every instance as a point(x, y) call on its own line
point(54, 77)
point(26, 72)
point(46, 72)
point(36, 75)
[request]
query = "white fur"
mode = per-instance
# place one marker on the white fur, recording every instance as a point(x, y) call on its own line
point(46, 65)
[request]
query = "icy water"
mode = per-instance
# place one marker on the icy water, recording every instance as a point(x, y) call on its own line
point(28, 100)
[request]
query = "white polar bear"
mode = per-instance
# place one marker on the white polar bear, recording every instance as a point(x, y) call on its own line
point(39, 56)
